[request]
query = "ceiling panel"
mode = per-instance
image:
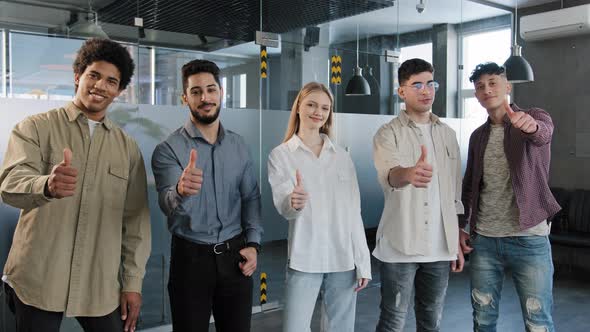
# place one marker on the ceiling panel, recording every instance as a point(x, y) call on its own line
point(234, 19)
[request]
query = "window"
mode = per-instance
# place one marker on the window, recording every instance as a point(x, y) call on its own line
point(491, 46)
point(41, 66)
point(422, 51)
point(243, 91)
point(477, 48)
point(224, 87)
point(3, 63)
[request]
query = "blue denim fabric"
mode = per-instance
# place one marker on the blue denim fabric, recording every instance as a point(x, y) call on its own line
point(529, 259)
point(399, 281)
point(338, 300)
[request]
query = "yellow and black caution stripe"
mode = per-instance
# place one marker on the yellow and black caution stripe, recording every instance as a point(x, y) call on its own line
point(263, 62)
point(336, 70)
point(262, 288)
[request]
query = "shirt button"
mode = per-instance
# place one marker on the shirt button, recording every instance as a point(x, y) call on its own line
point(426, 222)
point(425, 203)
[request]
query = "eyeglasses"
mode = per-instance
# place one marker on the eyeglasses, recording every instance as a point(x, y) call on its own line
point(419, 86)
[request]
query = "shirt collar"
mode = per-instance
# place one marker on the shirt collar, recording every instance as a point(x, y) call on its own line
point(73, 113)
point(295, 142)
point(194, 132)
point(406, 121)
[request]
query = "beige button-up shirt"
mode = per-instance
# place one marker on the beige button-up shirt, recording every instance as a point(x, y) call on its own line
point(397, 143)
point(76, 254)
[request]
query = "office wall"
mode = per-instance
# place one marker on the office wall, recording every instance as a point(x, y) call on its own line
point(562, 88)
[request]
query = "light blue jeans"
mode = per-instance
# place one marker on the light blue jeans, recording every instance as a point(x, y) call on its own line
point(338, 300)
point(428, 283)
point(529, 259)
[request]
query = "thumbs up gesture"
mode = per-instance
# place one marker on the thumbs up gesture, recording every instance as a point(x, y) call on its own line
point(63, 178)
point(299, 195)
point(421, 174)
point(192, 177)
point(521, 120)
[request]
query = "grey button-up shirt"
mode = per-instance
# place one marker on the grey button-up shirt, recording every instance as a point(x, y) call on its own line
point(229, 201)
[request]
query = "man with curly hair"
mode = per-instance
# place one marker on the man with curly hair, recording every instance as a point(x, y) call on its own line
point(83, 236)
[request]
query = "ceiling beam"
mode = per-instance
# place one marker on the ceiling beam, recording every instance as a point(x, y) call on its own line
point(493, 5)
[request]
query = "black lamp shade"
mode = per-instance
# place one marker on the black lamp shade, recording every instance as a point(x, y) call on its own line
point(518, 70)
point(358, 85)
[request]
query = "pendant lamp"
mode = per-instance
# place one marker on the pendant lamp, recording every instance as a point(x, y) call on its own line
point(358, 85)
point(518, 70)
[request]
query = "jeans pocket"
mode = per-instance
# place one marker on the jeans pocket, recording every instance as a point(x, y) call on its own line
point(532, 242)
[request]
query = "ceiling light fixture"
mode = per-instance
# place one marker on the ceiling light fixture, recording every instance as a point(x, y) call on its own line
point(90, 26)
point(358, 85)
point(518, 70)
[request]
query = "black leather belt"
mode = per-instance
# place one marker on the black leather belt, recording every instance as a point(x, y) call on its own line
point(234, 244)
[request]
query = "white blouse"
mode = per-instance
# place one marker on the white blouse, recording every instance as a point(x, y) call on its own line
point(327, 235)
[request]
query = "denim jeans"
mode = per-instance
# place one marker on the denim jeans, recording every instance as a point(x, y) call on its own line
point(399, 281)
point(529, 259)
point(338, 300)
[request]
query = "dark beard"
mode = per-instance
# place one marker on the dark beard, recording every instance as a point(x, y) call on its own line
point(205, 119)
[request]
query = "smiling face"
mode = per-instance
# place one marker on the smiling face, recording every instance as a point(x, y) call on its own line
point(203, 96)
point(96, 88)
point(418, 100)
point(491, 91)
point(314, 110)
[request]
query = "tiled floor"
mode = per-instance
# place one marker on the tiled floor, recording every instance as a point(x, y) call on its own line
point(571, 301)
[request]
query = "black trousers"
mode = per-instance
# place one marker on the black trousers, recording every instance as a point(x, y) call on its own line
point(202, 282)
point(31, 319)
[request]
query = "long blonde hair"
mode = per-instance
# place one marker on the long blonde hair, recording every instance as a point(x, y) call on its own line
point(294, 122)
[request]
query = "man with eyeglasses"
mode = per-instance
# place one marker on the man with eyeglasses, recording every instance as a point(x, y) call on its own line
point(419, 168)
point(507, 204)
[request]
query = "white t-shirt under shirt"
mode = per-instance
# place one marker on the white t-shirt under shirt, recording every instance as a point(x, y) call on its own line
point(93, 124)
point(435, 233)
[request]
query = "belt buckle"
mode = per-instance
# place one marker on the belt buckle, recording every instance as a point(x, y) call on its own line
point(220, 244)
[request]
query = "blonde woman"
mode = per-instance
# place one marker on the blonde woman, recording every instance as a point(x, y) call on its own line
point(315, 188)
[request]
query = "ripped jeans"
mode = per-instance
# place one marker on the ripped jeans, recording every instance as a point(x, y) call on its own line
point(399, 281)
point(529, 259)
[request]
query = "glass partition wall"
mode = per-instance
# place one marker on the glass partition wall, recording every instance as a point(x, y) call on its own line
point(318, 41)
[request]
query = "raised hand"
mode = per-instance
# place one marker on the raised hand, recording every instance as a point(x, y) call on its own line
point(192, 177)
point(63, 178)
point(421, 174)
point(521, 120)
point(299, 195)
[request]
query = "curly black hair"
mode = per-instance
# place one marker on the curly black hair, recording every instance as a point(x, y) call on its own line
point(101, 49)
point(489, 68)
point(412, 67)
point(199, 66)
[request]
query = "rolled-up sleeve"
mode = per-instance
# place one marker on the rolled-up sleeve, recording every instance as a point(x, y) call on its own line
point(385, 155)
point(459, 208)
